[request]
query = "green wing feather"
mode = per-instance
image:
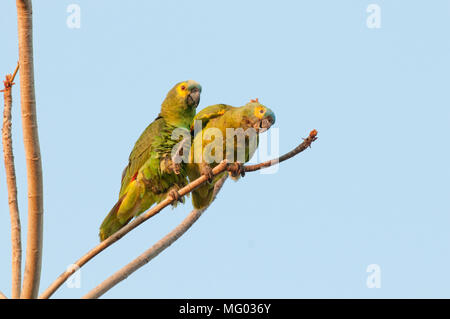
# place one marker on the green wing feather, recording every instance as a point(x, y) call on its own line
point(142, 151)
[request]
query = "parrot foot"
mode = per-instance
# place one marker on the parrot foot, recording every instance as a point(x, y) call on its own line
point(206, 170)
point(176, 197)
point(236, 169)
point(170, 165)
point(176, 168)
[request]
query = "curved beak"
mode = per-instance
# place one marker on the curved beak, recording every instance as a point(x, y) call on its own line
point(193, 98)
point(265, 123)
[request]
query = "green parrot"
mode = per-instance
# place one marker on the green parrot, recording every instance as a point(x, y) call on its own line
point(151, 173)
point(252, 118)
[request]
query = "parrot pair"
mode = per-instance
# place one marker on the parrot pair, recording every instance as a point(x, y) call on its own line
point(152, 172)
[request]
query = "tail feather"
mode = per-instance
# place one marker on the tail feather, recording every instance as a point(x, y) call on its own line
point(202, 197)
point(111, 223)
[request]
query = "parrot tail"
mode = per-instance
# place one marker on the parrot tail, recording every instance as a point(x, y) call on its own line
point(201, 197)
point(112, 223)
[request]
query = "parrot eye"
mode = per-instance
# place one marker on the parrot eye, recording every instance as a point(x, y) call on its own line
point(183, 88)
point(261, 111)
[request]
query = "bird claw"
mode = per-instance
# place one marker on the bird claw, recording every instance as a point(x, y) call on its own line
point(176, 196)
point(236, 169)
point(206, 170)
point(176, 168)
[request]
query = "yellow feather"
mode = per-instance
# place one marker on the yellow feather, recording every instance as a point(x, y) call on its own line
point(182, 92)
point(260, 111)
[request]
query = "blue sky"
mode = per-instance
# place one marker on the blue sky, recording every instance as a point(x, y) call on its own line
point(372, 190)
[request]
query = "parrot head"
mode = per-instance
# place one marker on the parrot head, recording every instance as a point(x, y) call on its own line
point(184, 94)
point(258, 116)
point(181, 102)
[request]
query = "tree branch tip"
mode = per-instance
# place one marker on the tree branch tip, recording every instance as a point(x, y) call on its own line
point(9, 79)
point(311, 138)
point(8, 83)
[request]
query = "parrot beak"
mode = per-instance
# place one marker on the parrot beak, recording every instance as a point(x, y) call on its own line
point(265, 123)
point(193, 99)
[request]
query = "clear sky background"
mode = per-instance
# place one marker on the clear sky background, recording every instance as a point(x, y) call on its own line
point(374, 189)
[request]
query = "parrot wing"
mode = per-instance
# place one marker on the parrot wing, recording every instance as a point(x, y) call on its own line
point(209, 113)
point(142, 151)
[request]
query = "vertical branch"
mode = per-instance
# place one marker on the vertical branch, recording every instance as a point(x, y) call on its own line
point(16, 244)
point(155, 250)
point(32, 152)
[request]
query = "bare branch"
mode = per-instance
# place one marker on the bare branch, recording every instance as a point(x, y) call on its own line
point(16, 243)
point(32, 151)
point(156, 209)
point(154, 251)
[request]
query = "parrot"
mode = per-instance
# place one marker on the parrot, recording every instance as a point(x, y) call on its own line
point(151, 174)
point(253, 115)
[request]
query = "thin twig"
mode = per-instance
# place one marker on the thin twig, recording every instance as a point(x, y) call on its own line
point(156, 209)
point(15, 72)
point(33, 261)
point(16, 244)
point(155, 250)
point(303, 146)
